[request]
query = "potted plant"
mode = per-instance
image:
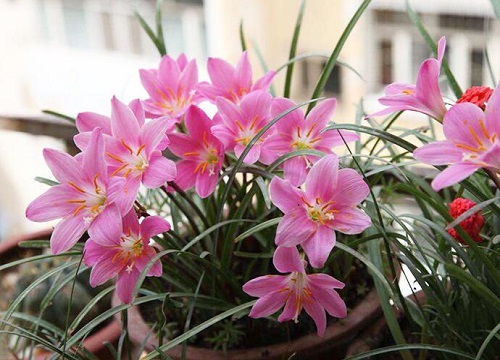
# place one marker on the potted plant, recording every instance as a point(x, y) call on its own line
point(219, 229)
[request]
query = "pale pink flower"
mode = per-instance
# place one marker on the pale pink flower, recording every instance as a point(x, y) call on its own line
point(123, 250)
point(232, 83)
point(201, 152)
point(315, 292)
point(327, 204)
point(133, 151)
point(296, 132)
point(424, 97)
point(239, 123)
point(172, 88)
point(472, 142)
point(86, 197)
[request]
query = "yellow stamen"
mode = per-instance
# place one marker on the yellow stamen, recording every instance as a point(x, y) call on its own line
point(71, 183)
point(140, 149)
point(126, 146)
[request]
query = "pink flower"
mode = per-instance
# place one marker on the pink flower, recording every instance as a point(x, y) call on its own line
point(201, 152)
point(85, 198)
point(133, 151)
point(424, 97)
point(327, 204)
point(232, 83)
point(296, 132)
point(172, 88)
point(471, 142)
point(238, 124)
point(123, 250)
point(315, 292)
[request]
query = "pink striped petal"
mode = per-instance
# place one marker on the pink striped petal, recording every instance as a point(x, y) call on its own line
point(221, 73)
point(66, 234)
point(106, 228)
point(331, 301)
point(152, 133)
point(124, 124)
point(185, 178)
point(94, 161)
point(168, 72)
point(319, 246)
point(243, 72)
point(104, 270)
point(321, 181)
point(295, 171)
point(264, 82)
point(322, 112)
point(264, 285)
point(153, 225)
point(268, 304)
point(325, 281)
point(88, 121)
point(438, 153)
point(294, 228)
point(317, 312)
point(285, 196)
point(351, 188)
point(453, 174)
point(94, 252)
point(159, 171)
point(144, 260)
point(125, 285)
point(287, 259)
point(290, 310)
point(205, 184)
point(64, 167)
point(351, 221)
point(53, 204)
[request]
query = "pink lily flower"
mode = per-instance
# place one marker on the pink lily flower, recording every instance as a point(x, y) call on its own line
point(424, 97)
point(296, 132)
point(232, 83)
point(327, 204)
point(201, 152)
point(238, 124)
point(123, 250)
point(315, 292)
point(133, 151)
point(472, 142)
point(86, 197)
point(88, 121)
point(172, 88)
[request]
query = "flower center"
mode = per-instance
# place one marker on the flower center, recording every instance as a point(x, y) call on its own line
point(483, 140)
point(91, 202)
point(134, 162)
point(246, 134)
point(130, 248)
point(298, 287)
point(303, 140)
point(320, 212)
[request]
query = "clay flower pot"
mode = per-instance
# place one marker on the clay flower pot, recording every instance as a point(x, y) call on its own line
point(331, 346)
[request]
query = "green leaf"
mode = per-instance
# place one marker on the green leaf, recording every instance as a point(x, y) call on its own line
point(159, 29)
point(293, 50)
point(476, 285)
point(392, 349)
point(46, 181)
point(242, 38)
point(257, 228)
point(325, 74)
point(60, 116)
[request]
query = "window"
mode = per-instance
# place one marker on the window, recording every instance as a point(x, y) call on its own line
point(385, 59)
point(462, 22)
point(75, 26)
point(476, 63)
point(333, 84)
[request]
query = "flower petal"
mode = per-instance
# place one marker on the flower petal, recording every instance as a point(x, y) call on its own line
point(124, 124)
point(351, 220)
point(125, 284)
point(53, 204)
point(264, 285)
point(321, 181)
point(285, 196)
point(104, 270)
point(438, 153)
point(317, 312)
point(287, 259)
point(106, 228)
point(94, 252)
point(453, 174)
point(66, 234)
point(319, 246)
point(152, 226)
point(159, 171)
point(331, 301)
point(325, 281)
point(268, 304)
point(88, 121)
point(351, 188)
point(64, 167)
point(294, 228)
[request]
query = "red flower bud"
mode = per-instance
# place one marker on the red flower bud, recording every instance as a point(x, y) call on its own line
point(478, 95)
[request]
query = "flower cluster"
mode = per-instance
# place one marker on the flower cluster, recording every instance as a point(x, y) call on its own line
point(98, 188)
point(470, 125)
point(472, 225)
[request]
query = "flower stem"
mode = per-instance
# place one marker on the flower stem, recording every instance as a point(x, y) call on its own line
point(494, 177)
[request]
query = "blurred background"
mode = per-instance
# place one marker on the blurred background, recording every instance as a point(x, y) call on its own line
point(71, 56)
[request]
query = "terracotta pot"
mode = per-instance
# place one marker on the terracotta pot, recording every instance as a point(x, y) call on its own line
point(95, 342)
point(331, 346)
